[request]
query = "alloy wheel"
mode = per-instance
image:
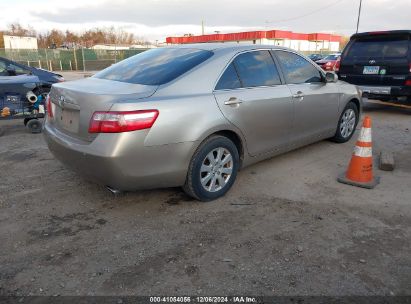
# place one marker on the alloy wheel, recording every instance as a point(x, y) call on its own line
point(216, 169)
point(347, 124)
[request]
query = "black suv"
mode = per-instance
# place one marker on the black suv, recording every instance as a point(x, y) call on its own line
point(379, 63)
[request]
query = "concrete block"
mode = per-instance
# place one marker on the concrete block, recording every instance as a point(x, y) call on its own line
point(387, 162)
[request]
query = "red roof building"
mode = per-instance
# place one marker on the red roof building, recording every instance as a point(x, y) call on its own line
point(298, 41)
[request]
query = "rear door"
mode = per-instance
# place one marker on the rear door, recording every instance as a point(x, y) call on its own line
point(252, 96)
point(315, 101)
point(376, 59)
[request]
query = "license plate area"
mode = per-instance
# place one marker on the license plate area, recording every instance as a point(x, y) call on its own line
point(69, 120)
point(371, 70)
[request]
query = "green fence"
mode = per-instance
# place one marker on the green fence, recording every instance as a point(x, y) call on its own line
point(74, 59)
point(67, 60)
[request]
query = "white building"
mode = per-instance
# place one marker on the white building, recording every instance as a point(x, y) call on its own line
point(20, 42)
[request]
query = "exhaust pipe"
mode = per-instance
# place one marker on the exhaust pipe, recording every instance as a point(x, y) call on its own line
point(31, 97)
point(114, 191)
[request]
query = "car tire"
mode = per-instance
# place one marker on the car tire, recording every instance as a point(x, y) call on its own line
point(34, 125)
point(346, 124)
point(213, 169)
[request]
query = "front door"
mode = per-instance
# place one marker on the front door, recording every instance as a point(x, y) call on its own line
point(315, 101)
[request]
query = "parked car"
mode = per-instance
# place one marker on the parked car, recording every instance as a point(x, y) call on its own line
point(193, 115)
point(16, 78)
point(315, 57)
point(22, 92)
point(379, 63)
point(9, 68)
point(328, 63)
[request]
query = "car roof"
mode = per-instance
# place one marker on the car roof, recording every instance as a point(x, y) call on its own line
point(379, 33)
point(226, 46)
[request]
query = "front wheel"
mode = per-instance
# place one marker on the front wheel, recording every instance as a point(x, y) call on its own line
point(347, 123)
point(213, 169)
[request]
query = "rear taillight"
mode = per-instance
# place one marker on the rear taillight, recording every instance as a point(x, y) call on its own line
point(116, 122)
point(337, 65)
point(49, 109)
point(408, 82)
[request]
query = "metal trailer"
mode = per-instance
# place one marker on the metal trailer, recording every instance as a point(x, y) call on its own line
point(30, 111)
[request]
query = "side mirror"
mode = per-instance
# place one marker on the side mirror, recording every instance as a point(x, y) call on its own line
point(331, 77)
point(11, 72)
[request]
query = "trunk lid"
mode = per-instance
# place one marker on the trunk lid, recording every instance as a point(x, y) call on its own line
point(74, 102)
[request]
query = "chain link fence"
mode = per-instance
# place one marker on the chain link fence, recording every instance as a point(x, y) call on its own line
point(76, 59)
point(68, 59)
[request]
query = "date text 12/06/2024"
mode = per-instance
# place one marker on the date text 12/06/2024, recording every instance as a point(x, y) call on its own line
point(203, 299)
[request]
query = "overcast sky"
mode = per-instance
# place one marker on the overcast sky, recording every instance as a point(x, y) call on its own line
point(157, 19)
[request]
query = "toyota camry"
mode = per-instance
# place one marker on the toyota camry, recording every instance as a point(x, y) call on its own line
point(194, 115)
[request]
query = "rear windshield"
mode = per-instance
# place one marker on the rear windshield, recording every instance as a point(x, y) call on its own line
point(379, 47)
point(155, 67)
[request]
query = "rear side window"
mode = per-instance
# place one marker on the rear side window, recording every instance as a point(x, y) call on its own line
point(155, 67)
point(379, 47)
point(297, 69)
point(229, 79)
point(257, 69)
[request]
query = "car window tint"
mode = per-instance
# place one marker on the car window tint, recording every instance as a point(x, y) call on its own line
point(379, 47)
point(156, 66)
point(297, 69)
point(229, 79)
point(257, 69)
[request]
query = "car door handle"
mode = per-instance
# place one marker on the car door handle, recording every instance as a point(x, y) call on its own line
point(233, 101)
point(298, 95)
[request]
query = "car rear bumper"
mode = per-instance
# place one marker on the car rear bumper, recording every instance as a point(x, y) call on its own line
point(388, 91)
point(121, 160)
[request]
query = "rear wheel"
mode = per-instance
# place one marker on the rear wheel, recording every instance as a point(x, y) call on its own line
point(347, 123)
point(213, 169)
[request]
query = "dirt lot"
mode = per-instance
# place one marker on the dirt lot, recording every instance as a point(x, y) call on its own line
point(286, 228)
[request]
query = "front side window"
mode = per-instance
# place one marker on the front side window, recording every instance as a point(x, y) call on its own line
point(18, 69)
point(3, 68)
point(257, 69)
point(155, 67)
point(297, 69)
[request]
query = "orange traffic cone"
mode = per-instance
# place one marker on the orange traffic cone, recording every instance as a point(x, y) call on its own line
point(359, 171)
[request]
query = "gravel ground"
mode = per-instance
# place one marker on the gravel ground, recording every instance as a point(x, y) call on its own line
point(286, 228)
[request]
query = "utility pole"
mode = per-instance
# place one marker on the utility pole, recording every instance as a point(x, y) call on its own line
point(359, 14)
point(202, 27)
